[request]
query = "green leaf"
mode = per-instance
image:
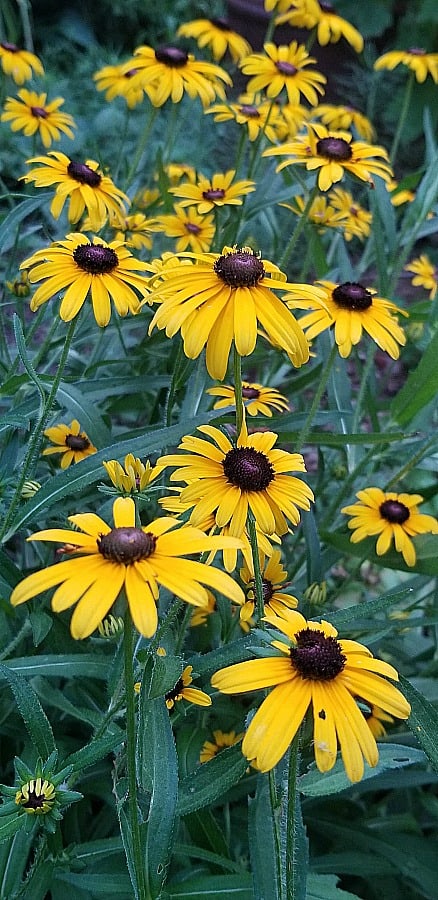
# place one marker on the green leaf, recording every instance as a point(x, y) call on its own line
point(262, 843)
point(63, 666)
point(324, 887)
point(420, 388)
point(323, 784)
point(94, 751)
point(101, 885)
point(9, 825)
point(33, 715)
point(423, 720)
point(213, 887)
point(351, 614)
point(14, 219)
point(211, 780)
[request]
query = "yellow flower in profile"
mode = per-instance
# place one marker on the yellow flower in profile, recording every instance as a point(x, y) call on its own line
point(169, 73)
point(191, 230)
point(218, 190)
point(416, 59)
point(273, 578)
point(83, 267)
point(218, 36)
point(221, 299)
point(314, 669)
point(375, 717)
point(394, 517)
point(83, 184)
point(133, 230)
point(345, 117)
point(254, 113)
point(118, 81)
point(354, 219)
point(294, 117)
point(32, 114)
point(333, 154)
point(322, 15)
point(69, 440)
point(126, 557)
point(426, 274)
point(321, 212)
point(284, 67)
point(183, 691)
point(177, 171)
point(351, 309)
point(134, 476)
point(21, 65)
point(228, 480)
point(221, 740)
point(257, 399)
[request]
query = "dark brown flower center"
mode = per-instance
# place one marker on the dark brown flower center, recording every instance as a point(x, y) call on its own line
point(353, 296)
point(240, 269)
point(130, 73)
point(192, 228)
point(251, 112)
point(250, 393)
point(334, 148)
point(175, 691)
point(221, 23)
point(417, 51)
point(95, 259)
point(35, 799)
point(394, 511)
point(326, 7)
point(171, 56)
point(248, 469)
point(12, 48)
point(267, 590)
point(77, 442)
point(82, 173)
point(316, 656)
point(39, 112)
point(214, 194)
point(286, 68)
point(126, 545)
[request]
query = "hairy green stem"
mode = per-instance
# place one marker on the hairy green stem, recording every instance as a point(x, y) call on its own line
point(402, 117)
point(293, 822)
point(141, 147)
point(258, 580)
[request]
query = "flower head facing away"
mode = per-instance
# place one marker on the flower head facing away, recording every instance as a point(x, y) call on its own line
point(322, 15)
point(69, 440)
point(134, 476)
point(118, 81)
point(21, 65)
point(136, 559)
point(168, 73)
point(218, 36)
point(416, 59)
point(425, 274)
point(183, 691)
point(273, 580)
point(393, 517)
point(257, 399)
point(314, 669)
point(221, 740)
point(31, 114)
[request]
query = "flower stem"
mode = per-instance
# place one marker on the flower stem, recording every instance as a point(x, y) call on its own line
point(402, 117)
point(141, 147)
point(299, 227)
point(302, 437)
point(294, 826)
point(238, 391)
point(258, 580)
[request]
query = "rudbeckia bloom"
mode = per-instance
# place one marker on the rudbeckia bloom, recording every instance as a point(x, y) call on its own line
point(32, 113)
point(221, 740)
point(375, 717)
point(118, 81)
point(134, 476)
point(253, 113)
point(190, 229)
point(20, 64)
point(83, 184)
point(273, 578)
point(215, 191)
point(351, 308)
point(315, 669)
point(257, 399)
point(345, 117)
point(284, 67)
point(183, 691)
point(134, 230)
point(218, 36)
point(321, 213)
point(416, 59)
point(137, 560)
point(426, 274)
point(394, 517)
point(333, 153)
point(223, 298)
point(69, 440)
point(169, 73)
point(83, 266)
point(330, 26)
point(355, 220)
point(228, 480)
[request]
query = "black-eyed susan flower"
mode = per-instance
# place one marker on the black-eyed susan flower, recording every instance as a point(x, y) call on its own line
point(273, 580)
point(221, 740)
point(253, 113)
point(111, 628)
point(228, 480)
point(31, 114)
point(321, 213)
point(169, 73)
point(83, 184)
point(284, 68)
point(39, 795)
point(134, 230)
point(322, 15)
point(351, 308)
point(126, 557)
point(218, 190)
point(134, 476)
point(189, 228)
point(345, 117)
point(393, 517)
point(118, 81)
point(218, 36)
point(314, 669)
point(333, 154)
point(69, 440)
point(375, 717)
point(20, 286)
point(21, 65)
point(256, 397)
point(426, 274)
point(183, 691)
point(354, 219)
point(294, 117)
point(81, 267)
point(416, 59)
point(221, 299)
point(201, 613)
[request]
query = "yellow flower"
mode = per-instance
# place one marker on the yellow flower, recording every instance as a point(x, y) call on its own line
point(333, 153)
point(273, 576)
point(183, 691)
point(37, 796)
point(394, 517)
point(221, 740)
point(20, 64)
point(221, 299)
point(314, 669)
point(228, 481)
point(134, 476)
point(330, 26)
point(354, 219)
point(83, 183)
point(375, 717)
point(20, 286)
point(210, 192)
point(251, 111)
point(69, 440)
point(218, 36)
point(31, 113)
point(133, 230)
point(191, 229)
point(345, 117)
point(127, 557)
point(426, 274)
point(284, 67)
point(83, 266)
point(259, 399)
point(201, 613)
point(294, 117)
point(416, 59)
point(169, 73)
point(118, 81)
point(321, 213)
point(350, 308)
point(177, 171)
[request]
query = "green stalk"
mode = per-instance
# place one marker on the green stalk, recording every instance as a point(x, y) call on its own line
point(141, 147)
point(294, 866)
point(302, 221)
point(258, 580)
point(403, 116)
point(302, 437)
